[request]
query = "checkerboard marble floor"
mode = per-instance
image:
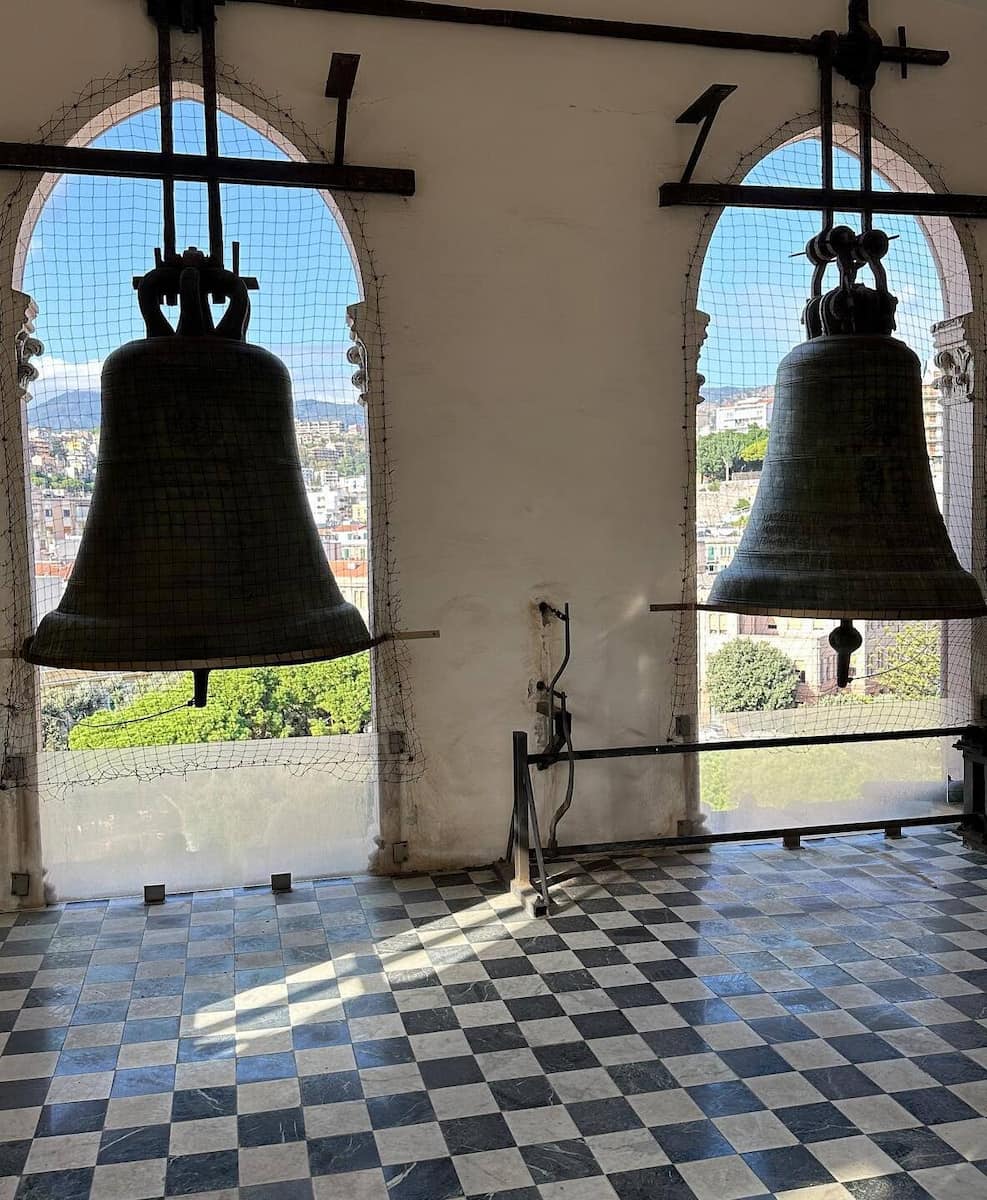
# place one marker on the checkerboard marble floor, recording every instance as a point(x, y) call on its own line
point(709, 1025)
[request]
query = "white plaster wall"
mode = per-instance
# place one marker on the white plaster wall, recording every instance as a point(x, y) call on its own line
point(532, 307)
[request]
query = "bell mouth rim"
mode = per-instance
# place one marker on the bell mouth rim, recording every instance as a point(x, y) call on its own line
point(218, 663)
point(963, 613)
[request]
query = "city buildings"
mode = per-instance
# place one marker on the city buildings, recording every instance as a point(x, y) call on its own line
point(334, 470)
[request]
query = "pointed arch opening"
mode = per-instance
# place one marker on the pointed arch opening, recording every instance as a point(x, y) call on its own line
point(309, 735)
point(753, 677)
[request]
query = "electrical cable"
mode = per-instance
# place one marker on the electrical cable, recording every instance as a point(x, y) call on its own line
point(88, 724)
point(560, 812)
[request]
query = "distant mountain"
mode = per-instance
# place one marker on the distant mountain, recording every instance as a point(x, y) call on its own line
point(67, 410)
point(81, 410)
point(327, 410)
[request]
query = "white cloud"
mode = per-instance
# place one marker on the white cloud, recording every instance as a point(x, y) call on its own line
point(57, 375)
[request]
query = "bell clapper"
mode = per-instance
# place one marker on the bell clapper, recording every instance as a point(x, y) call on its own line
point(845, 640)
point(200, 682)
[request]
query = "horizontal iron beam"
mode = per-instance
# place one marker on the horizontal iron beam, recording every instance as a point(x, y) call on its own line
point(743, 195)
point(538, 22)
point(143, 164)
point(752, 835)
point(821, 739)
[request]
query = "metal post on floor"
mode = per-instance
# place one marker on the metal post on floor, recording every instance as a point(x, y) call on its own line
point(534, 837)
point(974, 829)
point(522, 840)
point(515, 867)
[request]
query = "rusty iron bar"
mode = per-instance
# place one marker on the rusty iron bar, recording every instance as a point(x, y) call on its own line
point(166, 104)
point(663, 749)
point(826, 120)
point(538, 22)
point(636, 846)
point(210, 103)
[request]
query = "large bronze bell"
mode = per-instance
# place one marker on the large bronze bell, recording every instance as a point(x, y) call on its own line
point(200, 550)
point(845, 522)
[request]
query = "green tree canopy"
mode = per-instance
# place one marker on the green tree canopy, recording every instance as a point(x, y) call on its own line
point(59, 482)
point(913, 662)
point(62, 707)
point(259, 702)
point(748, 675)
point(756, 449)
point(718, 454)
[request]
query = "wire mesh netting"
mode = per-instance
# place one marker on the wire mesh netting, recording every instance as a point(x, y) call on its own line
point(222, 509)
point(847, 499)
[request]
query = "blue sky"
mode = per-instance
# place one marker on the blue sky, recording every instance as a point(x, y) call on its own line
point(755, 292)
point(95, 234)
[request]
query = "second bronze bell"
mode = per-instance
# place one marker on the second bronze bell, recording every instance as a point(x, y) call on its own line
point(845, 522)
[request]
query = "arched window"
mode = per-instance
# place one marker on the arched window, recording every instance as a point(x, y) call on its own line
point(89, 237)
point(753, 281)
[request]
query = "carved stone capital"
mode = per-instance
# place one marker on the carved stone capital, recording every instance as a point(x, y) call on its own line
point(357, 353)
point(26, 345)
point(954, 359)
point(695, 381)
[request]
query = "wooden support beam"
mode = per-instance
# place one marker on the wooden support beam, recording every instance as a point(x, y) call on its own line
point(142, 164)
point(743, 195)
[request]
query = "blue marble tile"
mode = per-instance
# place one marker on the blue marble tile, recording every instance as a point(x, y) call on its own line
point(342, 1154)
point(82, 1116)
point(134, 1145)
point(271, 1127)
point(433, 1179)
point(56, 1185)
point(87, 1060)
point(788, 1168)
point(916, 1149)
point(258, 1067)
point(197, 1104)
point(211, 1172)
point(143, 1081)
point(407, 1108)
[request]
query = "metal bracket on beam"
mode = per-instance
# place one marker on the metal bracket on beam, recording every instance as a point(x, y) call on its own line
point(339, 87)
point(703, 111)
